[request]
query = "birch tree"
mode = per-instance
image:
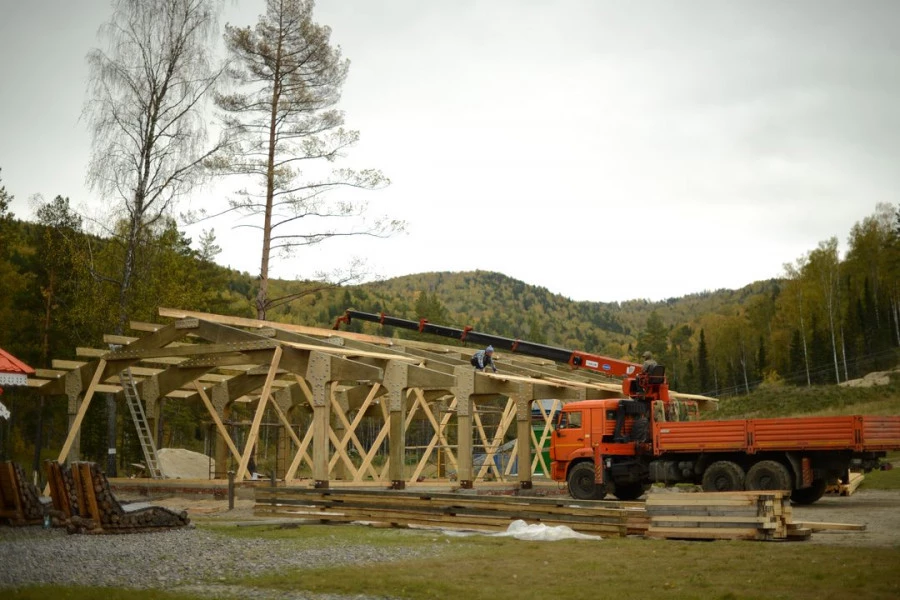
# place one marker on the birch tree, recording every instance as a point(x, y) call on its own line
point(287, 80)
point(145, 107)
point(824, 267)
point(794, 291)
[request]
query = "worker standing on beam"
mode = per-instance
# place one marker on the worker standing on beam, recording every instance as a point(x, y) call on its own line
point(484, 358)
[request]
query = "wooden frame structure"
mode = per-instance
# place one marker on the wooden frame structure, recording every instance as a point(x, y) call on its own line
point(336, 379)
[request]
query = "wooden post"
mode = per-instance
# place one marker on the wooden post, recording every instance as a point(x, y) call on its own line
point(523, 437)
point(230, 490)
point(397, 438)
point(465, 388)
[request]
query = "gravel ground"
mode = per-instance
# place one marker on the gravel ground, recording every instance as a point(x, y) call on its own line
point(878, 510)
point(190, 560)
point(199, 561)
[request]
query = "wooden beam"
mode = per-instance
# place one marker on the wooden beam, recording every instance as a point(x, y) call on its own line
point(258, 324)
point(219, 425)
point(191, 350)
point(257, 419)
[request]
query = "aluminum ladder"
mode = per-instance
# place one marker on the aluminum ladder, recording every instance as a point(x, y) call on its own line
point(145, 435)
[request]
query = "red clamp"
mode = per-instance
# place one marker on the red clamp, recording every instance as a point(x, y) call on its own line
point(466, 330)
point(422, 323)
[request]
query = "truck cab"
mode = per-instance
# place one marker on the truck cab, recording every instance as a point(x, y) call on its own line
point(606, 446)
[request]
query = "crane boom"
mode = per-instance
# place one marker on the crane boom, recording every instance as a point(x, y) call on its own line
point(573, 358)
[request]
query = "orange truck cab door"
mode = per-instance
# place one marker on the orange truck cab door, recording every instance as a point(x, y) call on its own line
point(571, 439)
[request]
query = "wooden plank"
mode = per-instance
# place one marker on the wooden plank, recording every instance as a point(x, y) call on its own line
point(67, 365)
point(737, 533)
point(814, 526)
point(90, 352)
point(49, 373)
point(87, 481)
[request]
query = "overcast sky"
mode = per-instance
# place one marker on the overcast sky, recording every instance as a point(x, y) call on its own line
point(604, 150)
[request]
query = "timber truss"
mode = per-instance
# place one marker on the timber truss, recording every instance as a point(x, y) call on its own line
point(321, 385)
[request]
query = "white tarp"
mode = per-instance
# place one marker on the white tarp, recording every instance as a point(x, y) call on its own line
point(538, 532)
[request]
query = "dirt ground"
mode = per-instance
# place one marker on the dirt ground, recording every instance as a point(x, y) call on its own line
point(878, 510)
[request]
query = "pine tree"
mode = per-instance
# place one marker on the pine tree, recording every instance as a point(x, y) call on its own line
point(703, 364)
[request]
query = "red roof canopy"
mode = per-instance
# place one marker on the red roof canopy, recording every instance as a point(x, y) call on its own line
point(11, 364)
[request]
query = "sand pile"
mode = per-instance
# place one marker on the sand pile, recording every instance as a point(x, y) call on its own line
point(179, 463)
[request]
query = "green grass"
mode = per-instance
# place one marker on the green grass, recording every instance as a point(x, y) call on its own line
point(821, 400)
point(500, 569)
point(479, 567)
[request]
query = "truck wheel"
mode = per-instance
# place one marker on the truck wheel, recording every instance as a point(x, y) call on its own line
point(723, 476)
point(581, 482)
point(769, 475)
point(630, 491)
point(810, 494)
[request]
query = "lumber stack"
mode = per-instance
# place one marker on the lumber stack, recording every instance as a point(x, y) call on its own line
point(83, 503)
point(20, 502)
point(845, 489)
point(449, 511)
point(762, 515)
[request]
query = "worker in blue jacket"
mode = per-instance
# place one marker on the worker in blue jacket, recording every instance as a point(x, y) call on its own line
point(484, 358)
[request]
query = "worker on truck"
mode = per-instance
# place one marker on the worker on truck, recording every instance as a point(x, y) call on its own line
point(649, 363)
point(484, 358)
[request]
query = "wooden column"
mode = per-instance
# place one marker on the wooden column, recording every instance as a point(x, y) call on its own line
point(465, 386)
point(523, 437)
point(75, 396)
point(395, 381)
point(319, 375)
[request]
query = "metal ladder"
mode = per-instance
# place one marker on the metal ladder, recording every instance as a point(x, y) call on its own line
point(145, 435)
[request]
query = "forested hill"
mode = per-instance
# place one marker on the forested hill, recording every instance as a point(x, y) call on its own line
point(497, 304)
point(828, 320)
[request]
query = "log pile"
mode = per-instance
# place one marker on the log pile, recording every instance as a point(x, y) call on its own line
point(20, 502)
point(83, 503)
point(450, 511)
point(762, 515)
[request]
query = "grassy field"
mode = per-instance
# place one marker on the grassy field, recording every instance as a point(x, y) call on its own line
point(493, 568)
point(821, 400)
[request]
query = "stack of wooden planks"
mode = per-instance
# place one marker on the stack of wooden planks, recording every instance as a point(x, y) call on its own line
point(450, 511)
point(845, 489)
point(763, 515)
point(83, 503)
point(19, 500)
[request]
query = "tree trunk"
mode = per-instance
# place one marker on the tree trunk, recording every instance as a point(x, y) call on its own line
point(844, 355)
point(805, 352)
point(262, 297)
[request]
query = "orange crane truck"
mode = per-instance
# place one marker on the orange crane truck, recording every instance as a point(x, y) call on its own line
point(623, 445)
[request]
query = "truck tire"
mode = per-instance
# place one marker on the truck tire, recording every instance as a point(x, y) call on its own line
point(630, 491)
point(811, 494)
point(769, 475)
point(723, 476)
point(581, 482)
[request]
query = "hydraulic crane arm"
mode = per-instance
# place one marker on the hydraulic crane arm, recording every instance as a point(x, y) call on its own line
point(573, 358)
